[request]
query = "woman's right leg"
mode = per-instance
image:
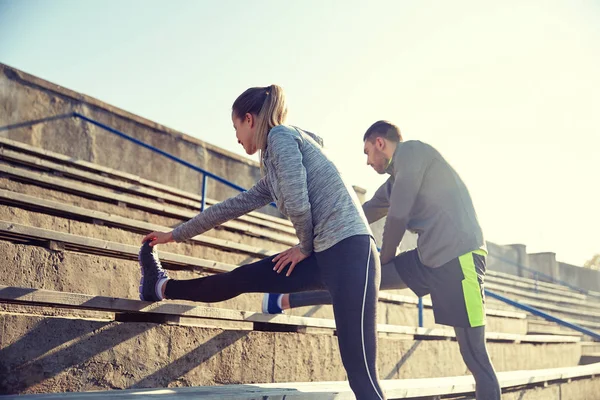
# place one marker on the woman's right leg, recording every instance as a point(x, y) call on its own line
point(257, 277)
point(351, 271)
point(390, 280)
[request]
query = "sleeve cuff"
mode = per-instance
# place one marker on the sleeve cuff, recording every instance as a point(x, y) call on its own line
point(305, 252)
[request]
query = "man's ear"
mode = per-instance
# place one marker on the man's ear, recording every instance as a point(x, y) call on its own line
point(380, 143)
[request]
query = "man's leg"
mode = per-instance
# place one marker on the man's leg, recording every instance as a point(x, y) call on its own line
point(390, 280)
point(474, 351)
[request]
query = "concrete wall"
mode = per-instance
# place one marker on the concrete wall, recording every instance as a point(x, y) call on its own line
point(509, 258)
point(27, 103)
point(585, 278)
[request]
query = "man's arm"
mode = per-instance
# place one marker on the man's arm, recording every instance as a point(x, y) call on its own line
point(377, 207)
point(410, 165)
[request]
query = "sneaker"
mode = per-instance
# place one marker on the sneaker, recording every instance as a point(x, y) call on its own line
point(152, 273)
point(270, 304)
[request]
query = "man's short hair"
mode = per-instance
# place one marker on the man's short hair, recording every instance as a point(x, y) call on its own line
point(384, 129)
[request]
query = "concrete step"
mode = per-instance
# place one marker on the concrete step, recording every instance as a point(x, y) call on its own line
point(556, 300)
point(550, 287)
point(543, 327)
point(242, 224)
point(563, 311)
point(51, 352)
point(90, 172)
point(564, 383)
point(111, 269)
point(234, 233)
point(32, 161)
point(104, 226)
point(590, 347)
point(42, 297)
point(107, 226)
point(125, 231)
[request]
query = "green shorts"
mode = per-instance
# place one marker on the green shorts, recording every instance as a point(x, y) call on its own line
point(456, 287)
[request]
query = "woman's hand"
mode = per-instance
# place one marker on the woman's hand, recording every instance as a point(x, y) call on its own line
point(291, 256)
point(158, 238)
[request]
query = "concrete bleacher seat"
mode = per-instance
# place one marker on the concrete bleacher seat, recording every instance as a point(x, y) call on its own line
point(557, 383)
point(70, 232)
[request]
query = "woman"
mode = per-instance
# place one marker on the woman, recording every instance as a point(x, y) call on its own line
point(336, 251)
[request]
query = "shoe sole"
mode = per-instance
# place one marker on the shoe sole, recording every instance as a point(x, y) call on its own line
point(265, 304)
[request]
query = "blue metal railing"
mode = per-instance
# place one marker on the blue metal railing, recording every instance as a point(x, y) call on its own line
point(543, 314)
point(205, 173)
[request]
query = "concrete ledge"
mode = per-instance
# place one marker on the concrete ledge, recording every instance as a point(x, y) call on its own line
point(590, 347)
point(520, 282)
point(543, 297)
point(120, 186)
point(561, 289)
point(394, 389)
point(83, 301)
point(58, 208)
point(96, 246)
point(80, 243)
point(38, 83)
point(180, 195)
point(589, 315)
point(549, 328)
point(105, 195)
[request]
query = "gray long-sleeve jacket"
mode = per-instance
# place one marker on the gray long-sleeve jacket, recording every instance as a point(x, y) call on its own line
point(305, 185)
point(425, 195)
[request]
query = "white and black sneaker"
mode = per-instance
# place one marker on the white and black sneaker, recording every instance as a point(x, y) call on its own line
point(153, 274)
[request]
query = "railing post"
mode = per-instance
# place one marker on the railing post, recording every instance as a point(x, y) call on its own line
point(420, 312)
point(204, 179)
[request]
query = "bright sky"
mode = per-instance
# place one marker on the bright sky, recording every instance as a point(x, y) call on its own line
point(508, 91)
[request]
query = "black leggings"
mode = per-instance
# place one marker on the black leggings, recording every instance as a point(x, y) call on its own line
point(349, 271)
point(470, 340)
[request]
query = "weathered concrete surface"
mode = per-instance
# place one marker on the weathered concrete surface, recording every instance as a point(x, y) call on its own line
point(588, 389)
point(25, 98)
point(132, 213)
point(45, 354)
point(42, 268)
point(584, 278)
point(90, 230)
point(579, 389)
point(407, 315)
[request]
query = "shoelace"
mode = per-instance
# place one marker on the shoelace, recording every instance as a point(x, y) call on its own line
point(161, 272)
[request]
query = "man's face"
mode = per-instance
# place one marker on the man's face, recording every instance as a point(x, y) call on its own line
point(375, 156)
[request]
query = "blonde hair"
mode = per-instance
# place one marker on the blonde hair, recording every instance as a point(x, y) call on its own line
point(268, 106)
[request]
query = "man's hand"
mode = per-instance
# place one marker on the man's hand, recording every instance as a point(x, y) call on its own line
point(291, 256)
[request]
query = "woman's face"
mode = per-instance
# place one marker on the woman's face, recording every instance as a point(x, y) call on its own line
point(244, 131)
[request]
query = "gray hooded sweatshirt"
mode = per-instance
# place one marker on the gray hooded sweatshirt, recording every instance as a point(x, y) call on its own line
point(306, 186)
point(425, 195)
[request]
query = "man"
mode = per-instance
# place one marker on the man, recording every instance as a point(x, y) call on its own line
point(425, 195)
